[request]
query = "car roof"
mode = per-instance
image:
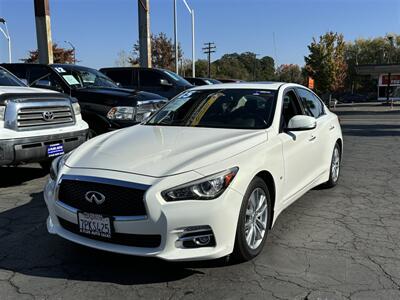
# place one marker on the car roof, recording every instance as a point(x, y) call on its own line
point(243, 85)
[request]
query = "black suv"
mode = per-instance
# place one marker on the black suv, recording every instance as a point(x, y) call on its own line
point(105, 106)
point(162, 82)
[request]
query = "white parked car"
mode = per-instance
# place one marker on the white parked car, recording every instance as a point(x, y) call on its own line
point(205, 176)
point(36, 125)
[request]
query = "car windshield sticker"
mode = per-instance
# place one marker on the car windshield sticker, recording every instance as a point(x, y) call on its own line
point(60, 70)
point(70, 79)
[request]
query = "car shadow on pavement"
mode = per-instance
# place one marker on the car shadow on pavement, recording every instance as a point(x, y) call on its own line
point(14, 176)
point(27, 248)
point(371, 130)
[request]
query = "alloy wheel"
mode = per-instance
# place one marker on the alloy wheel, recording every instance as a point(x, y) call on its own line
point(256, 218)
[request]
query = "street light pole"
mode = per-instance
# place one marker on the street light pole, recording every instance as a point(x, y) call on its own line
point(176, 39)
point(7, 36)
point(191, 12)
point(73, 49)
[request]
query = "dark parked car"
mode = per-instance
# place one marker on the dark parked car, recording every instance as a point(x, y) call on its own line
point(159, 81)
point(105, 106)
point(201, 81)
point(230, 80)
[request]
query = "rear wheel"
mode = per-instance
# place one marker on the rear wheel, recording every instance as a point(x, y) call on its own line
point(254, 221)
point(334, 171)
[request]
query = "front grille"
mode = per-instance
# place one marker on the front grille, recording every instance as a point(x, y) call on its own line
point(134, 240)
point(31, 117)
point(119, 200)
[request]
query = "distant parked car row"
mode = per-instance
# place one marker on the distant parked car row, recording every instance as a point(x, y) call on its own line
point(111, 98)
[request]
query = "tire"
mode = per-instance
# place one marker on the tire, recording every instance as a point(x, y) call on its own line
point(334, 168)
point(91, 134)
point(244, 250)
point(45, 165)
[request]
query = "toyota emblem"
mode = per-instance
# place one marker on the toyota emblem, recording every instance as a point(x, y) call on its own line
point(48, 116)
point(93, 196)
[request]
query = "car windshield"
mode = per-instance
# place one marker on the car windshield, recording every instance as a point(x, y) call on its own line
point(6, 79)
point(223, 108)
point(84, 77)
point(177, 78)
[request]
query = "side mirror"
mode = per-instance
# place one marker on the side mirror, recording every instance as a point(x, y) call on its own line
point(165, 83)
point(301, 122)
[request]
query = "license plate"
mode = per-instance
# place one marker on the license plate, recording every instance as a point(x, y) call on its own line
point(55, 150)
point(94, 224)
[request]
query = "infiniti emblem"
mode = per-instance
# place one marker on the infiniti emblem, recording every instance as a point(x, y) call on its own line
point(48, 115)
point(97, 197)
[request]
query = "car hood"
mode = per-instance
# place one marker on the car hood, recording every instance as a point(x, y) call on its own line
point(23, 90)
point(160, 151)
point(119, 92)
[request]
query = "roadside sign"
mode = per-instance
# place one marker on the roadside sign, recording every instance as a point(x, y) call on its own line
point(310, 83)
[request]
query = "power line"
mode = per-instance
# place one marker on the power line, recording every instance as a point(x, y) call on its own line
point(209, 49)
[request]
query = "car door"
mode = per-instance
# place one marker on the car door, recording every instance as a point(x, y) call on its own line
point(314, 107)
point(298, 149)
point(155, 82)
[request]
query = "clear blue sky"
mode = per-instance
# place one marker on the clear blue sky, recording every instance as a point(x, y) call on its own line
point(101, 28)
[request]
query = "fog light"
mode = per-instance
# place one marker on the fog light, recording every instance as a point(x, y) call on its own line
point(196, 237)
point(202, 240)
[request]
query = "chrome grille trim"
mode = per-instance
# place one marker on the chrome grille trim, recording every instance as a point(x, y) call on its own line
point(28, 114)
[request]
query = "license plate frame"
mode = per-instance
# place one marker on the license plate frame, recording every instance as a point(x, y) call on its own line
point(95, 225)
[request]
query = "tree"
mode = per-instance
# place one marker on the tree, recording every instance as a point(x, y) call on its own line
point(245, 66)
point(379, 50)
point(326, 62)
point(162, 52)
point(123, 59)
point(60, 55)
point(289, 73)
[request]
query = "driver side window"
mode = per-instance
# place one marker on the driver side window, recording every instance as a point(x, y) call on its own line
point(291, 108)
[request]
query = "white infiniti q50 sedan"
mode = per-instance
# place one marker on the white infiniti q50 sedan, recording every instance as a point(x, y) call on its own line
point(204, 177)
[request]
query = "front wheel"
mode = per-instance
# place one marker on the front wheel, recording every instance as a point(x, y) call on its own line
point(254, 221)
point(334, 170)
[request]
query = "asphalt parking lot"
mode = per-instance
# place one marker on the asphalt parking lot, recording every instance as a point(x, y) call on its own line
point(342, 243)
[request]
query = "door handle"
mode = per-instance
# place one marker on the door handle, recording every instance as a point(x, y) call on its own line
point(312, 138)
point(332, 127)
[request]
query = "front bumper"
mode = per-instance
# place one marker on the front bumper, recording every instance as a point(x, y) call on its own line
point(166, 219)
point(34, 149)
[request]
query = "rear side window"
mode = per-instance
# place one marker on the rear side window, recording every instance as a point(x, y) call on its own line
point(123, 77)
point(312, 105)
point(149, 78)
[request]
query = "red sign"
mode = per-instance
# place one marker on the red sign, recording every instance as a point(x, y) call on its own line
point(394, 79)
point(310, 83)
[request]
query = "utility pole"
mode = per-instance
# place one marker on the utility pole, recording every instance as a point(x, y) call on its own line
point(208, 49)
point(255, 66)
point(144, 34)
point(43, 31)
point(7, 36)
point(176, 39)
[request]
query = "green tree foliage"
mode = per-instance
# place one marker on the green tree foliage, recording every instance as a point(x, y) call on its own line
point(162, 52)
point(289, 73)
point(326, 62)
point(245, 66)
point(60, 55)
point(379, 50)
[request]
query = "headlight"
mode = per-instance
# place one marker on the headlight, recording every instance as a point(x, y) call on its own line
point(57, 164)
point(207, 188)
point(121, 113)
point(77, 108)
point(2, 112)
